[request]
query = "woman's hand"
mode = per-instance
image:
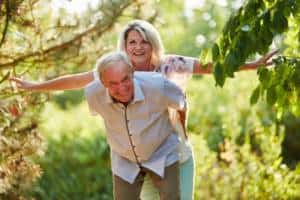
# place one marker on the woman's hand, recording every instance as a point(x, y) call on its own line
point(263, 61)
point(65, 82)
point(22, 84)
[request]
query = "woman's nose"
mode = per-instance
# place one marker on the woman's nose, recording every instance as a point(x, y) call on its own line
point(139, 46)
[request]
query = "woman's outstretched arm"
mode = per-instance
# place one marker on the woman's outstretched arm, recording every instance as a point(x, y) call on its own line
point(200, 68)
point(66, 82)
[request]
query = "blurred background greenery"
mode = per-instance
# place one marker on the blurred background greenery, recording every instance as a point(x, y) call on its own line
point(241, 151)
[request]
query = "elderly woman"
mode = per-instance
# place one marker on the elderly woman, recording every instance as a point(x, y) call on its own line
point(142, 43)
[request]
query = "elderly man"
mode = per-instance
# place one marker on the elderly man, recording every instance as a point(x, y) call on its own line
point(134, 107)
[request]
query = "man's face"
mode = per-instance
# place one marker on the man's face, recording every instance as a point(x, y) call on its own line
point(119, 82)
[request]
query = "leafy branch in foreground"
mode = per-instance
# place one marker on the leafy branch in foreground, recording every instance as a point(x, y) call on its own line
point(251, 30)
point(280, 84)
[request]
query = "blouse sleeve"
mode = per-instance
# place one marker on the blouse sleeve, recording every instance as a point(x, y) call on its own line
point(178, 69)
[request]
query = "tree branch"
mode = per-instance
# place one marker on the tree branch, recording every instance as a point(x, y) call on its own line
point(6, 21)
point(67, 43)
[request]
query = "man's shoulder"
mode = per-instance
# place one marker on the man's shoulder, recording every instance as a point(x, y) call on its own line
point(95, 87)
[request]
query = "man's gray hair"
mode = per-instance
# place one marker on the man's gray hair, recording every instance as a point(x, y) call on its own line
point(107, 60)
point(149, 34)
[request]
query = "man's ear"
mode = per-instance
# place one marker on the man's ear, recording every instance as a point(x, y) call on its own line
point(102, 81)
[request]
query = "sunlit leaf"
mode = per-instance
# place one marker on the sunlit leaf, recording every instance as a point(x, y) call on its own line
point(219, 74)
point(271, 95)
point(255, 95)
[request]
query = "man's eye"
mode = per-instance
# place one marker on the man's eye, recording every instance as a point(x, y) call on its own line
point(126, 79)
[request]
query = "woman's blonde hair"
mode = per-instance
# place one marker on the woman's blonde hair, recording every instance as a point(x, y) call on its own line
point(149, 34)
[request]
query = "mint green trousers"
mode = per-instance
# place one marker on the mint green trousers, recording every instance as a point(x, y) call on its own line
point(149, 192)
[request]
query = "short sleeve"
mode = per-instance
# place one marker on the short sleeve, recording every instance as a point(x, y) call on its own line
point(177, 64)
point(91, 91)
point(178, 69)
point(175, 98)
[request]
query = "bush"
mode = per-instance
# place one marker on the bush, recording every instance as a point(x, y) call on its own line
point(237, 148)
point(76, 164)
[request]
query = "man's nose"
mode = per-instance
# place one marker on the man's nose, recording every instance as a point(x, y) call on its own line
point(122, 87)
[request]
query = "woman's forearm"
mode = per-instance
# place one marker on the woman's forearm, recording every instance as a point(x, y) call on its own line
point(199, 68)
point(265, 60)
point(66, 82)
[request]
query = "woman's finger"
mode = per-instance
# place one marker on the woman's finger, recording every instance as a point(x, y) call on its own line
point(271, 54)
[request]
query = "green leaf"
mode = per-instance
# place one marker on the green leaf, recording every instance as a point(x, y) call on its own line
point(219, 74)
point(281, 72)
point(279, 21)
point(295, 79)
point(264, 77)
point(231, 64)
point(255, 95)
point(5, 77)
point(215, 52)
point(271, 95)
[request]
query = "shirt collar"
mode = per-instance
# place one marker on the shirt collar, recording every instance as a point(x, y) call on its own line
point(108, 98)
point(138, 94)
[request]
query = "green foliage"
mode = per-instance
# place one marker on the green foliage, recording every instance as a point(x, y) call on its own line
point(76, 164)
point(281, 85)
point(237, 147)
point(69, 99)
point(240, 174)
point(75, 168)
point(193, 34)
point(237, 150)
point(39, 42)
point(291, 143)
point(251, 30)
point(19, 142)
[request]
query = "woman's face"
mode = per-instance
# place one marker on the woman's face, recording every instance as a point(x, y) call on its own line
point(138, 50)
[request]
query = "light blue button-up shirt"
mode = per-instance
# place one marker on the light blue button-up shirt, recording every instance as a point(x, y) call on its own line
point(139, 134)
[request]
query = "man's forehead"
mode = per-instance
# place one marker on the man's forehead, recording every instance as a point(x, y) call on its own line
point(117, 72)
